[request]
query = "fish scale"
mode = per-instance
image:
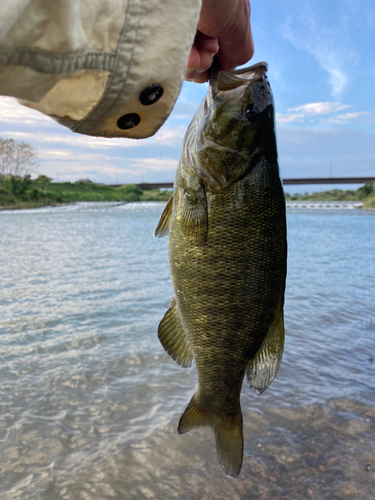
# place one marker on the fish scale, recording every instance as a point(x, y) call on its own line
point(227, 253)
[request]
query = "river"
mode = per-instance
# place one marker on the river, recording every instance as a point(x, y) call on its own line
point(90, 402)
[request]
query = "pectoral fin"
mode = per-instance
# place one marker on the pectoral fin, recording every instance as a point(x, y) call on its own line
point(193, 210)
point(262, 368)
point(163, 225)
point(173, 339)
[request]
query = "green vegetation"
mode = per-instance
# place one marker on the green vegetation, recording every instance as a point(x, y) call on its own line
point(366, 194)
point(17, 192)
point(332, 195)
point(155, 195)
point(23, 192)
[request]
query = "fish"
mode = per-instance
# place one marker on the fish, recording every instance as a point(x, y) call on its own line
point(227, 253)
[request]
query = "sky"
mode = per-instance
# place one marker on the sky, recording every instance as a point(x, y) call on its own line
point(322, 71)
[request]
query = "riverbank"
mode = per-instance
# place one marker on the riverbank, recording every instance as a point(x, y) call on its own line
point(17, 193)
point(364, 194)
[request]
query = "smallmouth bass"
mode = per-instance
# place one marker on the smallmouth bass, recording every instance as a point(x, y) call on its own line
point(227, 253)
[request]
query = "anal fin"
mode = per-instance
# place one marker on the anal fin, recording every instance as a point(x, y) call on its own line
point(172, 337)
point(262, 368)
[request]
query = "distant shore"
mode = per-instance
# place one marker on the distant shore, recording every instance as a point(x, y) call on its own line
point(364, 194)
point(18, 193)
point(25, 193)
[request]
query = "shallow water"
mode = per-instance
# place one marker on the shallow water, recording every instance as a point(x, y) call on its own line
point(89, 401)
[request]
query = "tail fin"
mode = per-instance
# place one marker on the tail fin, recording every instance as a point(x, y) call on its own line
point(228, 434)
point(229, 445)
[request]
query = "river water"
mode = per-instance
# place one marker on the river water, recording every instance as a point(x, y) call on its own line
point(89, 401)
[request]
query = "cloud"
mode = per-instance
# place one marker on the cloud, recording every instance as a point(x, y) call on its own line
point(284, 118)
point(184, 110)
point(78, 170)
point(347, 117)
point(297, 114)
point(311, 30)
point(68, 138)
point(337, 76)
point(11, 111)
point(320, 108)
point(98, 169)
point(165, 137)
point(168, 136)
point(313, 153)
point(303, 153)
point(23, 123)
point(326, 57)
point(67, 155)
point(128, 170)
point(96, 173)
point(154, 164)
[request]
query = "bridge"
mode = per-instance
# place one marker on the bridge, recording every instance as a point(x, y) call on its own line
point(286, 182)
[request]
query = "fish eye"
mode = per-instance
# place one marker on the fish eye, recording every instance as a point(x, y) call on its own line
point(252, 112)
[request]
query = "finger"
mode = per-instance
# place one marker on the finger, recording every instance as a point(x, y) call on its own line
point(229, 21)
point(200, 74)
point(201, 57)
point(232, 54)
point(194, 59)
point(193, 70)
point(206, 43)
point(198, 77)
point(202, 52)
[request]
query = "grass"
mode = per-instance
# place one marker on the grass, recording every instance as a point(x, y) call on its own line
point(16, 192)
point(332, 195)
point(26, 193)
point(366, 194)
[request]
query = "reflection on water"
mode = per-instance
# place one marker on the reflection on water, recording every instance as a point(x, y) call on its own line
point(89, 401)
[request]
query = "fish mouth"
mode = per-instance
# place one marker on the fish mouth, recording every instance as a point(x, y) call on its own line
point(229, 80)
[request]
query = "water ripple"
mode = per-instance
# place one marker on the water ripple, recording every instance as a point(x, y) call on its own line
point(89, 401)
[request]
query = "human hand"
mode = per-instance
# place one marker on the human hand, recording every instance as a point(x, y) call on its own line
point(223, 29)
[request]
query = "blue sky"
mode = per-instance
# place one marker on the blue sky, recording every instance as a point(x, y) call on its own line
point(322, 70)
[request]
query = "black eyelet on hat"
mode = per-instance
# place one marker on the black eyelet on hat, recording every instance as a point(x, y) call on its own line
point(151, 94)
point(128, 121)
